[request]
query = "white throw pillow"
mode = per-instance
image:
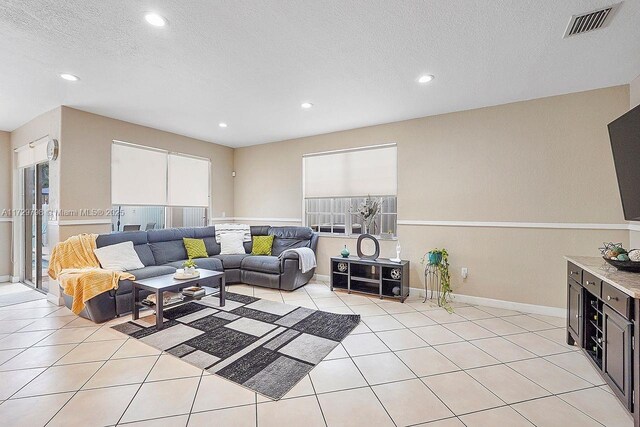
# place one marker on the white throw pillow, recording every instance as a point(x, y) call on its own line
point(231, 244)
point(118, 257)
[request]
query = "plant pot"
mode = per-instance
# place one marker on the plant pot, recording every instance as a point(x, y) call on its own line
point(189, 271)
point(435, 258)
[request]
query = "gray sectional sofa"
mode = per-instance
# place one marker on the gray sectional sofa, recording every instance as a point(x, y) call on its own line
point(163, 251)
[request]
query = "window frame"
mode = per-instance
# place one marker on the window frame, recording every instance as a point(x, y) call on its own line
point(348, 217)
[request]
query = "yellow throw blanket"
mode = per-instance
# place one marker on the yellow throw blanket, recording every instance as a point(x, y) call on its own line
point(76, 267)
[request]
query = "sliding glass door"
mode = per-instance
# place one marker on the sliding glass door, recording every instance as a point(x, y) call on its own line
point(36, 203)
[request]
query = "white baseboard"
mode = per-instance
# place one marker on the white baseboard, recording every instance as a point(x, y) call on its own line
point(497, 303)
point(5, 278)
point(15, 279)
point(488, 302)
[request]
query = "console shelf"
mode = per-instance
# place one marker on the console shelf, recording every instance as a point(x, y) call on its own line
point(381, 277)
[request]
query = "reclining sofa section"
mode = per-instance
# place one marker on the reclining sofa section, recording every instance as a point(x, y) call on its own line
point(162, 252)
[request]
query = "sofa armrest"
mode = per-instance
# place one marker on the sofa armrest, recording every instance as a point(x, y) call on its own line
point(289, 255)
point(313, 244)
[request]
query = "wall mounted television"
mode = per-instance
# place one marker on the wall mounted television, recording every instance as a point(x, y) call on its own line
point(624, 133)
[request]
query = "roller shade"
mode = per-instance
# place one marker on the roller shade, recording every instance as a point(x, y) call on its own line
point(138, 175)
point(188, 181)
point(350, 173)
point(31, 154)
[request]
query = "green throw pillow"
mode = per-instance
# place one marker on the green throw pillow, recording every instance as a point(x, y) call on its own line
point(262, 245)
point(195, 248)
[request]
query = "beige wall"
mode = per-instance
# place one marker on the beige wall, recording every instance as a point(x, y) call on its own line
point(544, 161)
point(80, 177)
point(634, 100)
point(5, 203)
point(86, 161)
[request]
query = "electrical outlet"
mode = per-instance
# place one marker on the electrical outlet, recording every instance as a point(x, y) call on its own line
point(464, 272)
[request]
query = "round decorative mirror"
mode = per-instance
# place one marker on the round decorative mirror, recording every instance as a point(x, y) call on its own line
point(366, 240)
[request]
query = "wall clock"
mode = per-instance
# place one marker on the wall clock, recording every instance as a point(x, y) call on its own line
point(52, 149)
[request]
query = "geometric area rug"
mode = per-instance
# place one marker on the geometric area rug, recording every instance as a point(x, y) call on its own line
point(260, 344)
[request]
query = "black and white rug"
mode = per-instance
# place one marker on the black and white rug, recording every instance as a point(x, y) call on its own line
point(260, 344)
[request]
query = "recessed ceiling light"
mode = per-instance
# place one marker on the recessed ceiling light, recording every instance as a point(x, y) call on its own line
point(306, 105)
point(425, 79)
point(222, 125)
point(155, 19)
point(69, 77)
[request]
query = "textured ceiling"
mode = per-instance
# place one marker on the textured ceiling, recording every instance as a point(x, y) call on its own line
point(250, 63)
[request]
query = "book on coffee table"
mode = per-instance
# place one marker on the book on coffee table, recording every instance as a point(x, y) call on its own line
point(193, 291)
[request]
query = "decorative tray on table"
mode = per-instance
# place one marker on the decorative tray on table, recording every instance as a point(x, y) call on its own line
point(183, 276)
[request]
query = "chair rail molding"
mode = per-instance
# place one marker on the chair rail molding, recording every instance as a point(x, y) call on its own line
point(67, 222)
point(253, 219)
point(510, 224)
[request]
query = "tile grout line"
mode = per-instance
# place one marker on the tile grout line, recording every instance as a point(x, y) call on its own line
point(195, 395)
point(317, 399)
point(85, 383)
point(139, 388)
point(45, 369)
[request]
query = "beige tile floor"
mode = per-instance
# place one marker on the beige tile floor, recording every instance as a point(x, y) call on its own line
point(405, 365)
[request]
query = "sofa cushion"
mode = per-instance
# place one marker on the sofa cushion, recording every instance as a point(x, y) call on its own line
point(195, 248)
point(231, 244)
point(262, 245)
point(213, 247)
point(144, 273)
point(211, 263)
point(167, 234)
point(231, 261)
point(280, 245)
point(202, 232)
point(289, 238)
point(139, 240)
point(118, 257)
point(145, 254)
point(261, 263)
point(166, 252)
point(136, 237)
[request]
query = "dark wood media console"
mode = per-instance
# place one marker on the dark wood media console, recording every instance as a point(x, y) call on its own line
point(381, 277)
point(603, 311)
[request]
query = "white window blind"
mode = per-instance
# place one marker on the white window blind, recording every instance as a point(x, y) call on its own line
point(188, 181)
point(349, 173)
point(31, 154)
point(138, 175)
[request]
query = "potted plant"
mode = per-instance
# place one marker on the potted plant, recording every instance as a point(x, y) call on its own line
point(440, 259)
point(189, 267)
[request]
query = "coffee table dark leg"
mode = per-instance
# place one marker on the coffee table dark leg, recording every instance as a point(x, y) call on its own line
point(135, 309)
point(159, 310)
point(223, 291)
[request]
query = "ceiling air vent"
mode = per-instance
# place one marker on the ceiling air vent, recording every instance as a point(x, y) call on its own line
point(591, 20)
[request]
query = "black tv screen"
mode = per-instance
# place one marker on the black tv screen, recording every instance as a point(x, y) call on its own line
point(624, 133)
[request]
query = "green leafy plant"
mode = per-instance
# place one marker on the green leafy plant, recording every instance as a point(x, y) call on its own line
point(440, 258)
point(189, 264)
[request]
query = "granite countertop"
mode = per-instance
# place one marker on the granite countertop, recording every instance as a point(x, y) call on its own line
point(627, 282)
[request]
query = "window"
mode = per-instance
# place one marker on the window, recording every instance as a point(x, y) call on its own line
point(337, 182)
point(173, 193)
point(335, 215)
